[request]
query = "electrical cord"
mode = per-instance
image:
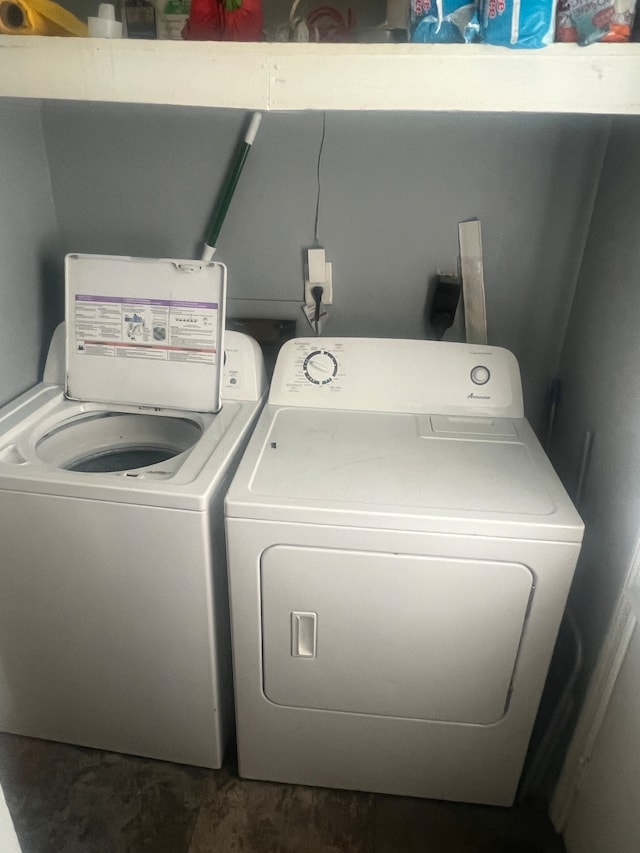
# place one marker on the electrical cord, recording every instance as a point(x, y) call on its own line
point(316, 242)
point(316, 292)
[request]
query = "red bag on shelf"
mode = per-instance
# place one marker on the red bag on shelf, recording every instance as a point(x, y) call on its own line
point(224, 20)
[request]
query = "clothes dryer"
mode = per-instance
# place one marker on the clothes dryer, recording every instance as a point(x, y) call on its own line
point(400, 551)
point(114, 626)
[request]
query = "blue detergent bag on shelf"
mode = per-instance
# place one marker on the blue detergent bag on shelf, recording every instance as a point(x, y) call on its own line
point(444, 21)
point(518, 23)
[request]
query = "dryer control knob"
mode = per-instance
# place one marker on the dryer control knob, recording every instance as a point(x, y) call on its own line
point(480, 375)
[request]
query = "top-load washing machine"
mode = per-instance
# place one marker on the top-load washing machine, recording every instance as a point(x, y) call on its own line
point(114, 627)
point(400, 551)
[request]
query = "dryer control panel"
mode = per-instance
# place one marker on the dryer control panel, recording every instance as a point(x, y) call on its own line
point(393, 375)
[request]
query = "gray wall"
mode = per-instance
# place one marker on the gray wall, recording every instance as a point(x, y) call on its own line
point(28, 243)
point(601, 383)
point(601, 389)
point(142, 181)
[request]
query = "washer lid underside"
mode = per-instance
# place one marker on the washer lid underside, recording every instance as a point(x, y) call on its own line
point(144, 331)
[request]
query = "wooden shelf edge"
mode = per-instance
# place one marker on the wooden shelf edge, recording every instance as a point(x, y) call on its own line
point(275, 76)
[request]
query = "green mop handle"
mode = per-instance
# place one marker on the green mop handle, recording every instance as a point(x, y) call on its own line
point(229, 188)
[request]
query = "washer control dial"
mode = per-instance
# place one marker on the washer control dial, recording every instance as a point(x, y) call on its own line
point(320, 367)
point(480, 374)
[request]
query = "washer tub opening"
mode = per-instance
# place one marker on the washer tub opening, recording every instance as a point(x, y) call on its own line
point(112, 442)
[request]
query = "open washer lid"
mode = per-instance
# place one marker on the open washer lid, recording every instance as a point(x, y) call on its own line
point(143, 331)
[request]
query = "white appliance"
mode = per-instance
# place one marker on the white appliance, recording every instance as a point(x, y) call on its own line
point(399, 551)
point(114, 627)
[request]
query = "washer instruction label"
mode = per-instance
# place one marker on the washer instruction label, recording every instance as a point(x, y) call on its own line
point(158, 329)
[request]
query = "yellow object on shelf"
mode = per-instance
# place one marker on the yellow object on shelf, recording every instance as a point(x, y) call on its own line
point(38, 18)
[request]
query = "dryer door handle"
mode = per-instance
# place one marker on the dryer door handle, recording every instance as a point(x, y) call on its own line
point(304, 634)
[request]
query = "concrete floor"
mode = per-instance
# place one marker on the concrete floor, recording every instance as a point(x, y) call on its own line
point(66, 799)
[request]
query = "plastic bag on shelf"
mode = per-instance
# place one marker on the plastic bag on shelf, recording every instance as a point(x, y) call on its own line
point(433, 21)
point(224, 20)
point(518, 23)
point(586, 22)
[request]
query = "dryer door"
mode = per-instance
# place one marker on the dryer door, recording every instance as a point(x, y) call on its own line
point(393, 635)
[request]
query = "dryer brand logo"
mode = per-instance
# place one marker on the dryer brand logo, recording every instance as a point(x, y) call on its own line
point(473, 396)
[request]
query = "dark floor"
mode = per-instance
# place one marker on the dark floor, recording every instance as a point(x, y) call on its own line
point(65, 799)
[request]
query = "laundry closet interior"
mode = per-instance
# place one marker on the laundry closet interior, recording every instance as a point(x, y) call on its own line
point(121, 150)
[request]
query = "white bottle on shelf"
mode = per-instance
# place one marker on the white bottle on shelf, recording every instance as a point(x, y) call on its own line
point(105, 25)
point(171, 16)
